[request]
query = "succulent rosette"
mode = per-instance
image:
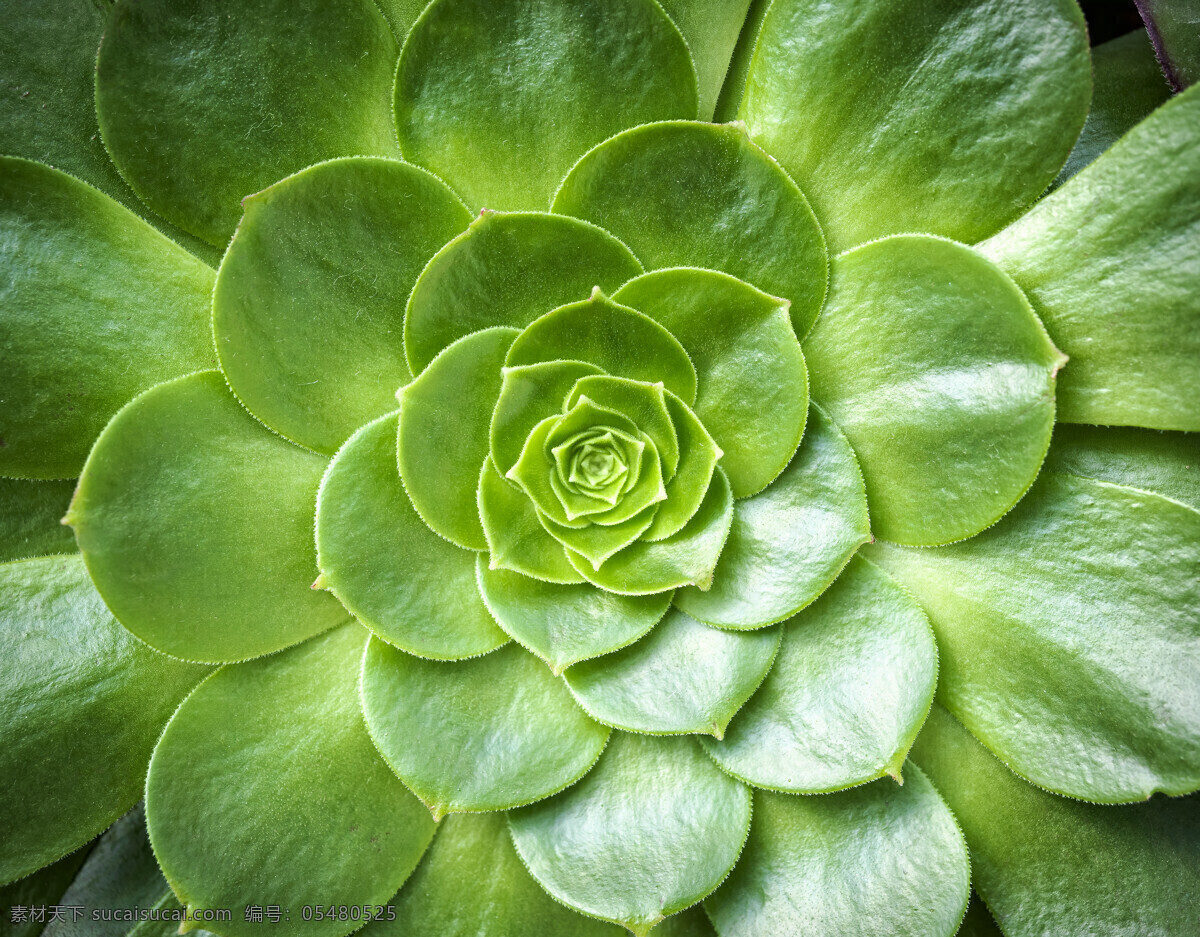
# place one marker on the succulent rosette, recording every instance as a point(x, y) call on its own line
point(549, 466)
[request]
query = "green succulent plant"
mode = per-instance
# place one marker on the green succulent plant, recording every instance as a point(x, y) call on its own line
point(548, 467)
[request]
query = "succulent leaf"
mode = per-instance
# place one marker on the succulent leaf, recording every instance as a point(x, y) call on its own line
point(919, 136)
point(445, 418)
point(945, 387)
point(790, 541)
point(1048, 864)
point(701, 195)
point(651, 830)
point(896, 850)
point(752, 381)
point(846, 696)
point(619, 340)
point(564, 624)
point(1111, 264)
point(294, 85)
point(1070, 637)
point(683, 677)
point(225, 781)
point(411, 587)
point(179, 489)
point(48, 63)
point(309, 302)
point(491, 733)
point(509, 269)
point(473, 854)
point(475, 75)
point(84, 703)
point(76, 352)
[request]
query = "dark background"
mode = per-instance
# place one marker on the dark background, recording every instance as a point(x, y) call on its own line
point(1108, 19)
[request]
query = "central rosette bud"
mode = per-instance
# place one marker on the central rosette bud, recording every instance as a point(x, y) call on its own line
point(596, 464)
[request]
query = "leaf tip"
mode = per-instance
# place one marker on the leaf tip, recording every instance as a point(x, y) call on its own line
point(320, 583)
point(717, 732)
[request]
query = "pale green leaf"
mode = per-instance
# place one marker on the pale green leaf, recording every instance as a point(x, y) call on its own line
point(651, 830)
point(408, 585)
point(945, 116)
point(309, 302)
point(846, 696)
point(1070, 637)
point(1050, 865)
point(1111, 263)
point(683, 677)
point(501, 97)
point(264, 773)
point(877, 861)
point(491, 733)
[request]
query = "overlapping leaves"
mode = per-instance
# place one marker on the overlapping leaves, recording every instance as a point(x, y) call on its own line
point(600, 547)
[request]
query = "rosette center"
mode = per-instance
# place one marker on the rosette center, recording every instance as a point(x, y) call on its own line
point(598, 462)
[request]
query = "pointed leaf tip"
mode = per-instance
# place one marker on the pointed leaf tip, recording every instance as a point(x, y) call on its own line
point(321, 582)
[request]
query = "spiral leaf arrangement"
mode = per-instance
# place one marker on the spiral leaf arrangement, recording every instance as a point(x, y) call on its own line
point(523, 445)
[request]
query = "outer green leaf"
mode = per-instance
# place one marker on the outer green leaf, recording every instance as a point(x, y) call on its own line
point(1165, 463)
point(1070, 637)
point(196, 525)
point(651, 830)
point(564, 624)
point(76, 347)
point(276, 88)
point(685, 558)
point(309, 301)
point(698, 455)
point(1049, 865)
point(841, 706)
point(615, 338)
point(408, 585)
point(30, 518)
point(917, 135)
point(508, 269)
point(789, 542)
point(739, 65)
point(942, 378)
point(528, 395)
point(48, 110)
point(480, 80)
point(226, 781)
point(81, 705)
point(473, 855)
point(752, 392)
point(1174, 26)
point(1111, 263)
point(1128, 86)
point(443, 437)
point(704, 195)
point(684, 676)
point(516, 538)
point(491, 733)
point(711, 29)
point(120, 874)
point(877, 861)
